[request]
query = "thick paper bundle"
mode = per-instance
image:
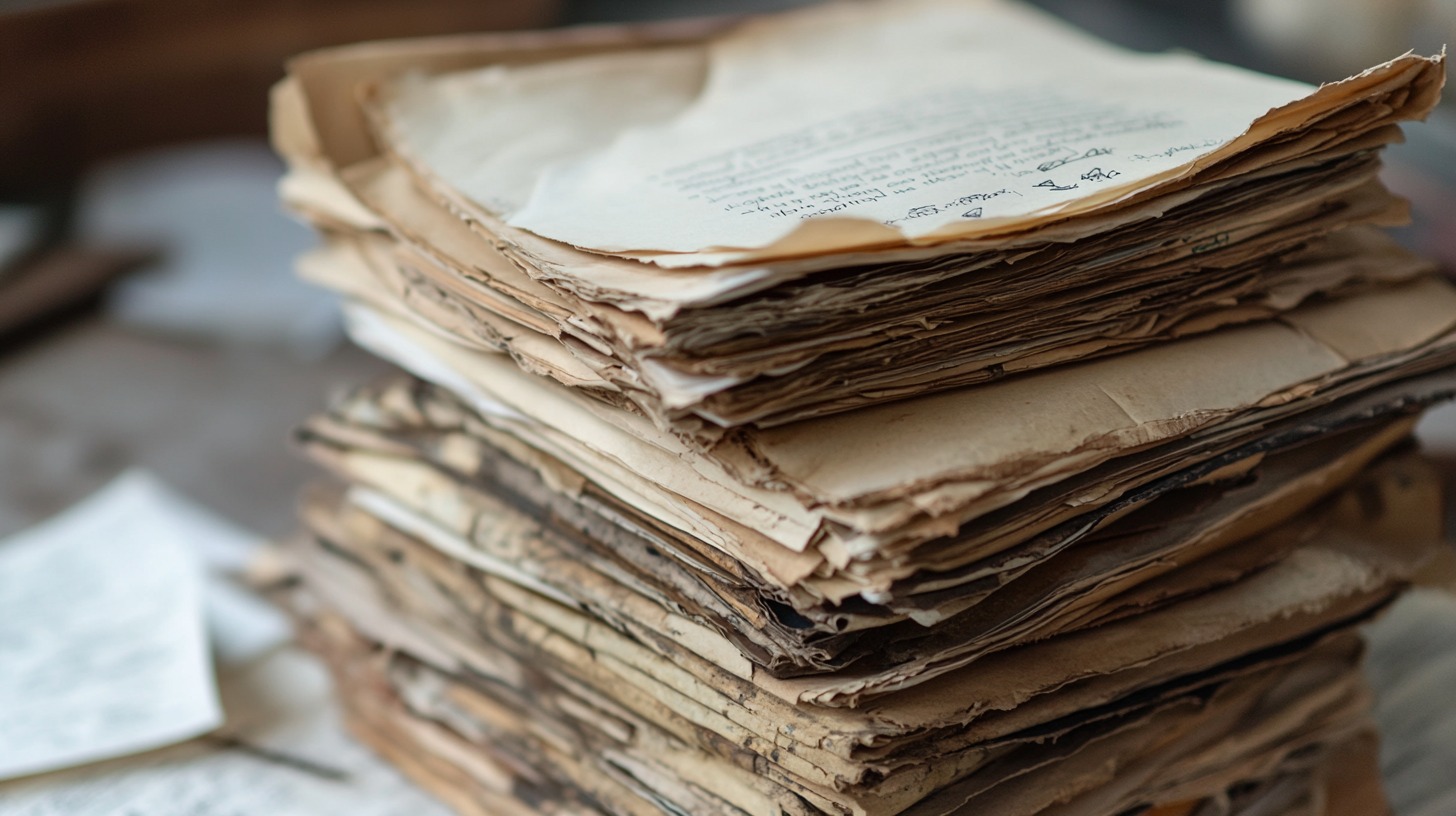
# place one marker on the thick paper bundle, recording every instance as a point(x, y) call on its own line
point(513, 618)
point(1023, 432)
point(1124, 199)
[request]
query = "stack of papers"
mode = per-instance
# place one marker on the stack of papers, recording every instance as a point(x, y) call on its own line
point(877, 409)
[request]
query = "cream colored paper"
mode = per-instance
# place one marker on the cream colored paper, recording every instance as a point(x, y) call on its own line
point(973, 437)
point(913, 119)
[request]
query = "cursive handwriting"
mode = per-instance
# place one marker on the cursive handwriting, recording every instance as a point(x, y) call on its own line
point(1048, 166)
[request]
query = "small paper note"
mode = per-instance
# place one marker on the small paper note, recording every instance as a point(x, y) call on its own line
point(102, 636)
point(289, 756)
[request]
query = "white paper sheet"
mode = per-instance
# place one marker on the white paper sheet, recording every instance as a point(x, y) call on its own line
point(240, 625)
point(292, 758)
point(137, 546)
point(102, 640)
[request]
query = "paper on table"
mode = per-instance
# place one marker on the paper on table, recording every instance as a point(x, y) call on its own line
point(240, 625)
point(912, 120)
point(222, 546)
point(101, 635)
point(292, 759)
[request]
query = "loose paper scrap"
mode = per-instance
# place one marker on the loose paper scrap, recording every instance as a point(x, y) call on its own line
point(240, 625)
point(287, 754)
point(102, 636)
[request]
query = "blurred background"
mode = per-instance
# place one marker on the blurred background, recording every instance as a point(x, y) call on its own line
point(150, 316)
point(148, 310)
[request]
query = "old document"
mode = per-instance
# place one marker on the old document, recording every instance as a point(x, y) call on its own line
point(882, 408)
point(942, 121)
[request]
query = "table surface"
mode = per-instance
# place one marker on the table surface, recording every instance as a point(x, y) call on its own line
point(80, 406)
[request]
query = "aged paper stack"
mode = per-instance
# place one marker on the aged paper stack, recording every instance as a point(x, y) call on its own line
point(884, 408)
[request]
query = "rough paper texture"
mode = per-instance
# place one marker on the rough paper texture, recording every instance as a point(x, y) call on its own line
point(912, 119)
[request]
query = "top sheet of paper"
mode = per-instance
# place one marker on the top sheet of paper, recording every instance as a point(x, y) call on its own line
point(19, 229)
point(101, 635)
point(871, 122)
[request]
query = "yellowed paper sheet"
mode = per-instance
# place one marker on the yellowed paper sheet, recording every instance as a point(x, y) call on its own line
point(912, 119)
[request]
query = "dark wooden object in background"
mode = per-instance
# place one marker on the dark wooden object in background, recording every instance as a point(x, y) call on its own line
point(81, 81)
point(57, 282)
